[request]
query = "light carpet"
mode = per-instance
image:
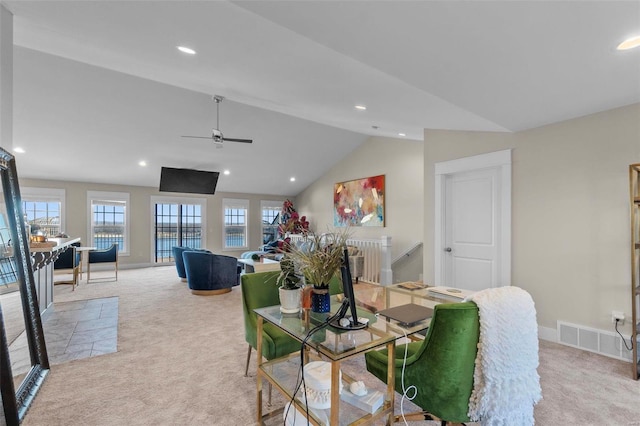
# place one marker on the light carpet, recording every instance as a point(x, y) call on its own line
point(180, 361)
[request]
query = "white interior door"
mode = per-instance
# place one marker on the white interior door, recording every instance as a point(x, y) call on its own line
point(471, 232)
point(473, 221)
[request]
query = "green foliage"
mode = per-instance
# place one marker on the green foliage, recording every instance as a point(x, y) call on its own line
point(288, 279)
point(320, 259)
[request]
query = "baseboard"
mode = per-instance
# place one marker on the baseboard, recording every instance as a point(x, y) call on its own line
point(548, 334)
point(122, 266)
point(141, 265)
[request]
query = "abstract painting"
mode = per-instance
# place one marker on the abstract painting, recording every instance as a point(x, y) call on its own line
point(359, 202)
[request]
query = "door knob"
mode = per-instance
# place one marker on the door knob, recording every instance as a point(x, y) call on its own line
point(448, 249)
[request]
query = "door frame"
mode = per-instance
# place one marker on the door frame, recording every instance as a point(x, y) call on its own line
point(500, 160)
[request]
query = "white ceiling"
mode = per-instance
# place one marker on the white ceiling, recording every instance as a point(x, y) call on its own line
point(292, 72)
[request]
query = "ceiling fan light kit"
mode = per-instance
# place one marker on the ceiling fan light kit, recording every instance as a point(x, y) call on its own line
point(216, 135)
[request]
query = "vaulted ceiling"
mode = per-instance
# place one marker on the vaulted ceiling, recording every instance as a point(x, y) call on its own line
point(100, 85)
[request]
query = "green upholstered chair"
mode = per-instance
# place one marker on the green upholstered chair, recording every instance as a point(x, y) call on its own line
point(441, 366)
point(258, 291)
point(335, 285)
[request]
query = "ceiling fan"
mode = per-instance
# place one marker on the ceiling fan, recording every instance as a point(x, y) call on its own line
point(216, 135)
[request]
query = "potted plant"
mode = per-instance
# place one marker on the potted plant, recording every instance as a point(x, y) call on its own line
point(289, 284)
point(319, 258)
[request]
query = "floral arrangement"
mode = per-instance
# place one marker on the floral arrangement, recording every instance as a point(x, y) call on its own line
point(290, 221)
point(320, 256)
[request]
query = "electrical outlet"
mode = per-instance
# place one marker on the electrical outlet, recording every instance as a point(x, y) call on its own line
point(617, 315)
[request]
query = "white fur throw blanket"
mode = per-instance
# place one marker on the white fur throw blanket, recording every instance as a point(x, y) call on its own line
point(506, 381)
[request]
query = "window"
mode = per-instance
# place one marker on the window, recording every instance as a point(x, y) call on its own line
point(236, 214)
point(109, 220)
point(270, 219)
point(44, 208)
point(177, 222)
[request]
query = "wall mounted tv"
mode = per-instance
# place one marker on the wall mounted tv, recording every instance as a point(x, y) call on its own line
point(188, 180)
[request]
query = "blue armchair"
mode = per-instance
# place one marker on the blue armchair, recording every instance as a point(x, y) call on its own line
point(68, 261)
point(109, 255)
point(209, 274)
point(177, 256)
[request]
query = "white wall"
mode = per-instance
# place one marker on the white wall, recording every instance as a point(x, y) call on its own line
point(141, 217)
point(570, 211)
point(402, 164)
point(6, 78)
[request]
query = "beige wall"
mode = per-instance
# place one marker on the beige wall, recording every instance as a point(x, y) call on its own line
point(401, 162)
point(570, 211)
point(141, 215)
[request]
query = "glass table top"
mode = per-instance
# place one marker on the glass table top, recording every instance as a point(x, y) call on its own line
point(332, 342)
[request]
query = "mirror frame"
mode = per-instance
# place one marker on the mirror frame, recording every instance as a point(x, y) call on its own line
point(16, 402)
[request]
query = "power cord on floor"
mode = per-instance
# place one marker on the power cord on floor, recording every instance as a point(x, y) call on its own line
point(623, 339)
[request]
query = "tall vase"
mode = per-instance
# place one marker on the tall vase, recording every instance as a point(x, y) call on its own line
point(320, 300)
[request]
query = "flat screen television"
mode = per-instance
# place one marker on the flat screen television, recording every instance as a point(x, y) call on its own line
point(188, 180)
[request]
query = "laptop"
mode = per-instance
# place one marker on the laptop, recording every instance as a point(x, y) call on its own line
point(407, 315)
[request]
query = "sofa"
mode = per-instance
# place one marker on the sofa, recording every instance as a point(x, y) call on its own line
point(266, 249)
point(210, 274)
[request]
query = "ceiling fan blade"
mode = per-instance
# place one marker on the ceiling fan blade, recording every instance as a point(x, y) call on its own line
point(239, 140)
point(216, 135)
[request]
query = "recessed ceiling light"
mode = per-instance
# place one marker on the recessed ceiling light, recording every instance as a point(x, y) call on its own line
point(142, 163)
point(402, 134)
point(629, 43)
point(18, 150)
point(187, 50)
point(227, 172)
point(292, 179)
point(361, 107)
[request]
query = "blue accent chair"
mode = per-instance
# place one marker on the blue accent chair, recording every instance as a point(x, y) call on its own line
point(109, 255)
point(177, 256)
point(210, 274)
point(69, 260)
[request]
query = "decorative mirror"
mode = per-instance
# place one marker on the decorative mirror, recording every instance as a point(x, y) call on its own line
point(23, 354)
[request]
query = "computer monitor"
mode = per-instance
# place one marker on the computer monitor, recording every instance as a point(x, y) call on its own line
point(349, 302)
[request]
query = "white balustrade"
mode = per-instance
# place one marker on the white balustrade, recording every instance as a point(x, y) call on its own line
point(377, 258)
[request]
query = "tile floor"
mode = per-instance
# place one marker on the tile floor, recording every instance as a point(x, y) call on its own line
point(73, 330)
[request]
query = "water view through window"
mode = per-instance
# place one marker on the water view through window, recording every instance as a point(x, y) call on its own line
point(176, 225)
point(43, 216)
point(108, 225)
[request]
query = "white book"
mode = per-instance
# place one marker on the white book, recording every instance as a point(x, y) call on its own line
point(370, 402)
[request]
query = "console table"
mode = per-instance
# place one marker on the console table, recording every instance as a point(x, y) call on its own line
point(282, 372)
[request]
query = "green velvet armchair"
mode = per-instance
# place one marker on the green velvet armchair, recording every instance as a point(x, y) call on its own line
point(441, 366)
point(258, 291)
